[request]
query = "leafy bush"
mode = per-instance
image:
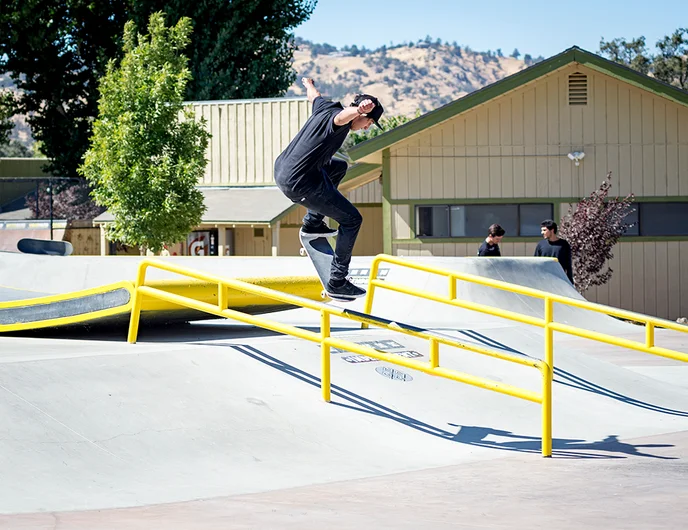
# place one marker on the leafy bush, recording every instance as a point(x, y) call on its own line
point(148, 152)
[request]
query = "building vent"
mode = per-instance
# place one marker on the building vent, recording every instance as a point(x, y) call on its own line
point(258, 233)
point(578, 89)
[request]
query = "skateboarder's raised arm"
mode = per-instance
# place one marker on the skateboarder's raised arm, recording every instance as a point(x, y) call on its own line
point(351, 113)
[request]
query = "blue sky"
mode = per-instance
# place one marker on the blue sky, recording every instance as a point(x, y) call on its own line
point(535, 27)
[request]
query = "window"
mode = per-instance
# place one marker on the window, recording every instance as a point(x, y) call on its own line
point(473, 220)
point(657, 219)
point(433, 221)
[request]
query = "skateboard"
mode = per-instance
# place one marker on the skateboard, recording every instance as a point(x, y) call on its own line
point(45, 246)
point(320, 252)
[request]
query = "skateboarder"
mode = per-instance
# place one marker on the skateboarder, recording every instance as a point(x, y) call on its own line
point(308, 175)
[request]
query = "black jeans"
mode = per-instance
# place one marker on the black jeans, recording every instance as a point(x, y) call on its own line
point(325, 200)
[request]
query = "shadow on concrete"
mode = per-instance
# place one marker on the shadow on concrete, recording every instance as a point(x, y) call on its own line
point(569, 379)
point(201, 332)
point(565, 378)
point(610, 447)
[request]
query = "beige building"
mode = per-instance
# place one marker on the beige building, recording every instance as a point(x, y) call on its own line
point(507, 154)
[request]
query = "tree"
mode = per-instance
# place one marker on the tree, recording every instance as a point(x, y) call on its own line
point(15, 149)
point(144, 161)
point(592, 229)
point(7, 110)
point(57, 50)
point(516, 54)
point(240, 49)
point(632, 54)
point(671, 64)
point(9, 147)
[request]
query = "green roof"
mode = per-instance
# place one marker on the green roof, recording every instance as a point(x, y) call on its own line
point(572, 55)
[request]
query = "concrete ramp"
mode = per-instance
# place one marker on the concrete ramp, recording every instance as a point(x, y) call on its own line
point(539, 273)
point(51, 291)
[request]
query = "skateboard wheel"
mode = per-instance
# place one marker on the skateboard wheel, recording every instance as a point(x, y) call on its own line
point(302, 251)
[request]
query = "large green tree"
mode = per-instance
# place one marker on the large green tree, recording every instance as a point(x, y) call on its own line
point(56, 51)
point(240, 48)
point(148, 151)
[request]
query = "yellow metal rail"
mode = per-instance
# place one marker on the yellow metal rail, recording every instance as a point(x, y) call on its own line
point(326, 341)
point(547, 323)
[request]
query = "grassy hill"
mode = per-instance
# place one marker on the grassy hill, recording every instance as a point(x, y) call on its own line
point(421, 76)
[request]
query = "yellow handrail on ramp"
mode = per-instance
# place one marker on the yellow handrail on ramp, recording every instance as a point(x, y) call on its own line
point(326, 341)
point(547, 323)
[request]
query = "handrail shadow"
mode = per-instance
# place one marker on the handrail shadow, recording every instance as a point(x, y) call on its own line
point(471, 435)
point(571, 380)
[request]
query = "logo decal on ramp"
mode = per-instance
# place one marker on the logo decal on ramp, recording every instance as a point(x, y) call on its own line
point(393, 373)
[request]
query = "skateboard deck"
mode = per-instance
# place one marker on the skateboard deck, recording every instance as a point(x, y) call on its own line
point(45, 246)
point(320, 252)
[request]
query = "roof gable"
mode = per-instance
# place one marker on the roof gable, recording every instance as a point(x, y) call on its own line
point(514, 81)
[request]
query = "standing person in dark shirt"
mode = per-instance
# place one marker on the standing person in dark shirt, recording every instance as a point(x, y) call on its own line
point(490, 246)
point(308, 175)
point(552, 245)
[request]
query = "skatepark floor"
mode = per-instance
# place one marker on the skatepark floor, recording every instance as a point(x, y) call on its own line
point(218, 425)
point(500, 481)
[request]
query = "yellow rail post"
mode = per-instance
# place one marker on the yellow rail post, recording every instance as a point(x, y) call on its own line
point(367, 309)
point(547, 410)
point(136, 306)
point(549, 332)
point(325, 353)
point(452, 287)
point(650, 335)
point(434, 353)
point(222, 296)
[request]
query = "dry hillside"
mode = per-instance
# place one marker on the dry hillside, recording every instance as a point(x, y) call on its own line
point(420, 76)
point(405, 78)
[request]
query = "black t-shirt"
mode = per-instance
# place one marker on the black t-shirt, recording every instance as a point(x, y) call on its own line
point(299, 166)
point(489, 250)
point(559, 249)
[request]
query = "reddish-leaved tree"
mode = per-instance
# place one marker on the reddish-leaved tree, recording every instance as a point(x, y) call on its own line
point(70, 201)
point(592, 229)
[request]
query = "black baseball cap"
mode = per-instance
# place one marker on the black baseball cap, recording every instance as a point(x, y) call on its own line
point(374, 114)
